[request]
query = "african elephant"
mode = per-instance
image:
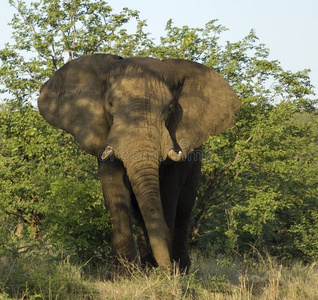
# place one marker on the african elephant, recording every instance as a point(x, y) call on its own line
point(145, 120)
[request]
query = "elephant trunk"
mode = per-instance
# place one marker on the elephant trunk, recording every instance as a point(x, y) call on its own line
point(141, 148)
point(143, 173)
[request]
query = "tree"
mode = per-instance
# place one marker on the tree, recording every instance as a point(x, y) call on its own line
point(48, 33)
point(259, 183)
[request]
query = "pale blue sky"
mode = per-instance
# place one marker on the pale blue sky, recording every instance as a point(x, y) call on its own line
point(289, 28)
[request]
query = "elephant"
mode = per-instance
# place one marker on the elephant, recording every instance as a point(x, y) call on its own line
point(145, 120)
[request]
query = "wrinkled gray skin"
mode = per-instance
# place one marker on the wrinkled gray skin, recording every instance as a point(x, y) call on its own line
point(145, 120)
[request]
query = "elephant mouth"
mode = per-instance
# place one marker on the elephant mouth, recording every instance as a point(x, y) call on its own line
point(109, 154)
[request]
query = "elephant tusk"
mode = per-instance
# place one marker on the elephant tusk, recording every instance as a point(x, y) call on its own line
point(175, 156)
point(107, 153)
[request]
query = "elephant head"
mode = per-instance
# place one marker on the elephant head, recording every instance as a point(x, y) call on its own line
point(140, 111)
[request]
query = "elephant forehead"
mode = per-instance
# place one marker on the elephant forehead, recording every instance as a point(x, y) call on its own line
point(141, 88)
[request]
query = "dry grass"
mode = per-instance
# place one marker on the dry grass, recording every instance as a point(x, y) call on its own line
point(153, 284)
point(266, 279)
point(217, 279)
point(142, 287)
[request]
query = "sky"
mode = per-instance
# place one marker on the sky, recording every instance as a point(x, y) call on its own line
point(289, 28)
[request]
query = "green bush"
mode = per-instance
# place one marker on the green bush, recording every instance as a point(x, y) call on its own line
point(49, 189)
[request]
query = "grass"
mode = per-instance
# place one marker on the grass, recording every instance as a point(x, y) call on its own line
point(38, 277)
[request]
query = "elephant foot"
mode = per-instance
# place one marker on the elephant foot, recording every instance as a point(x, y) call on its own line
point(182, 264)
point(123, 267)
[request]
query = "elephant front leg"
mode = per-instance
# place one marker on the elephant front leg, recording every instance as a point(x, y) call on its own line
point(118, 203)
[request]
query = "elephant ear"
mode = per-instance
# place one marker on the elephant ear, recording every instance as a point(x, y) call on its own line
point(206, 104)
point(73, 100)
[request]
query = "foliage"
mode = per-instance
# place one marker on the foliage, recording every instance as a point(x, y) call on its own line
point(47, 182)
point(259, 184)
point(49, 32)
